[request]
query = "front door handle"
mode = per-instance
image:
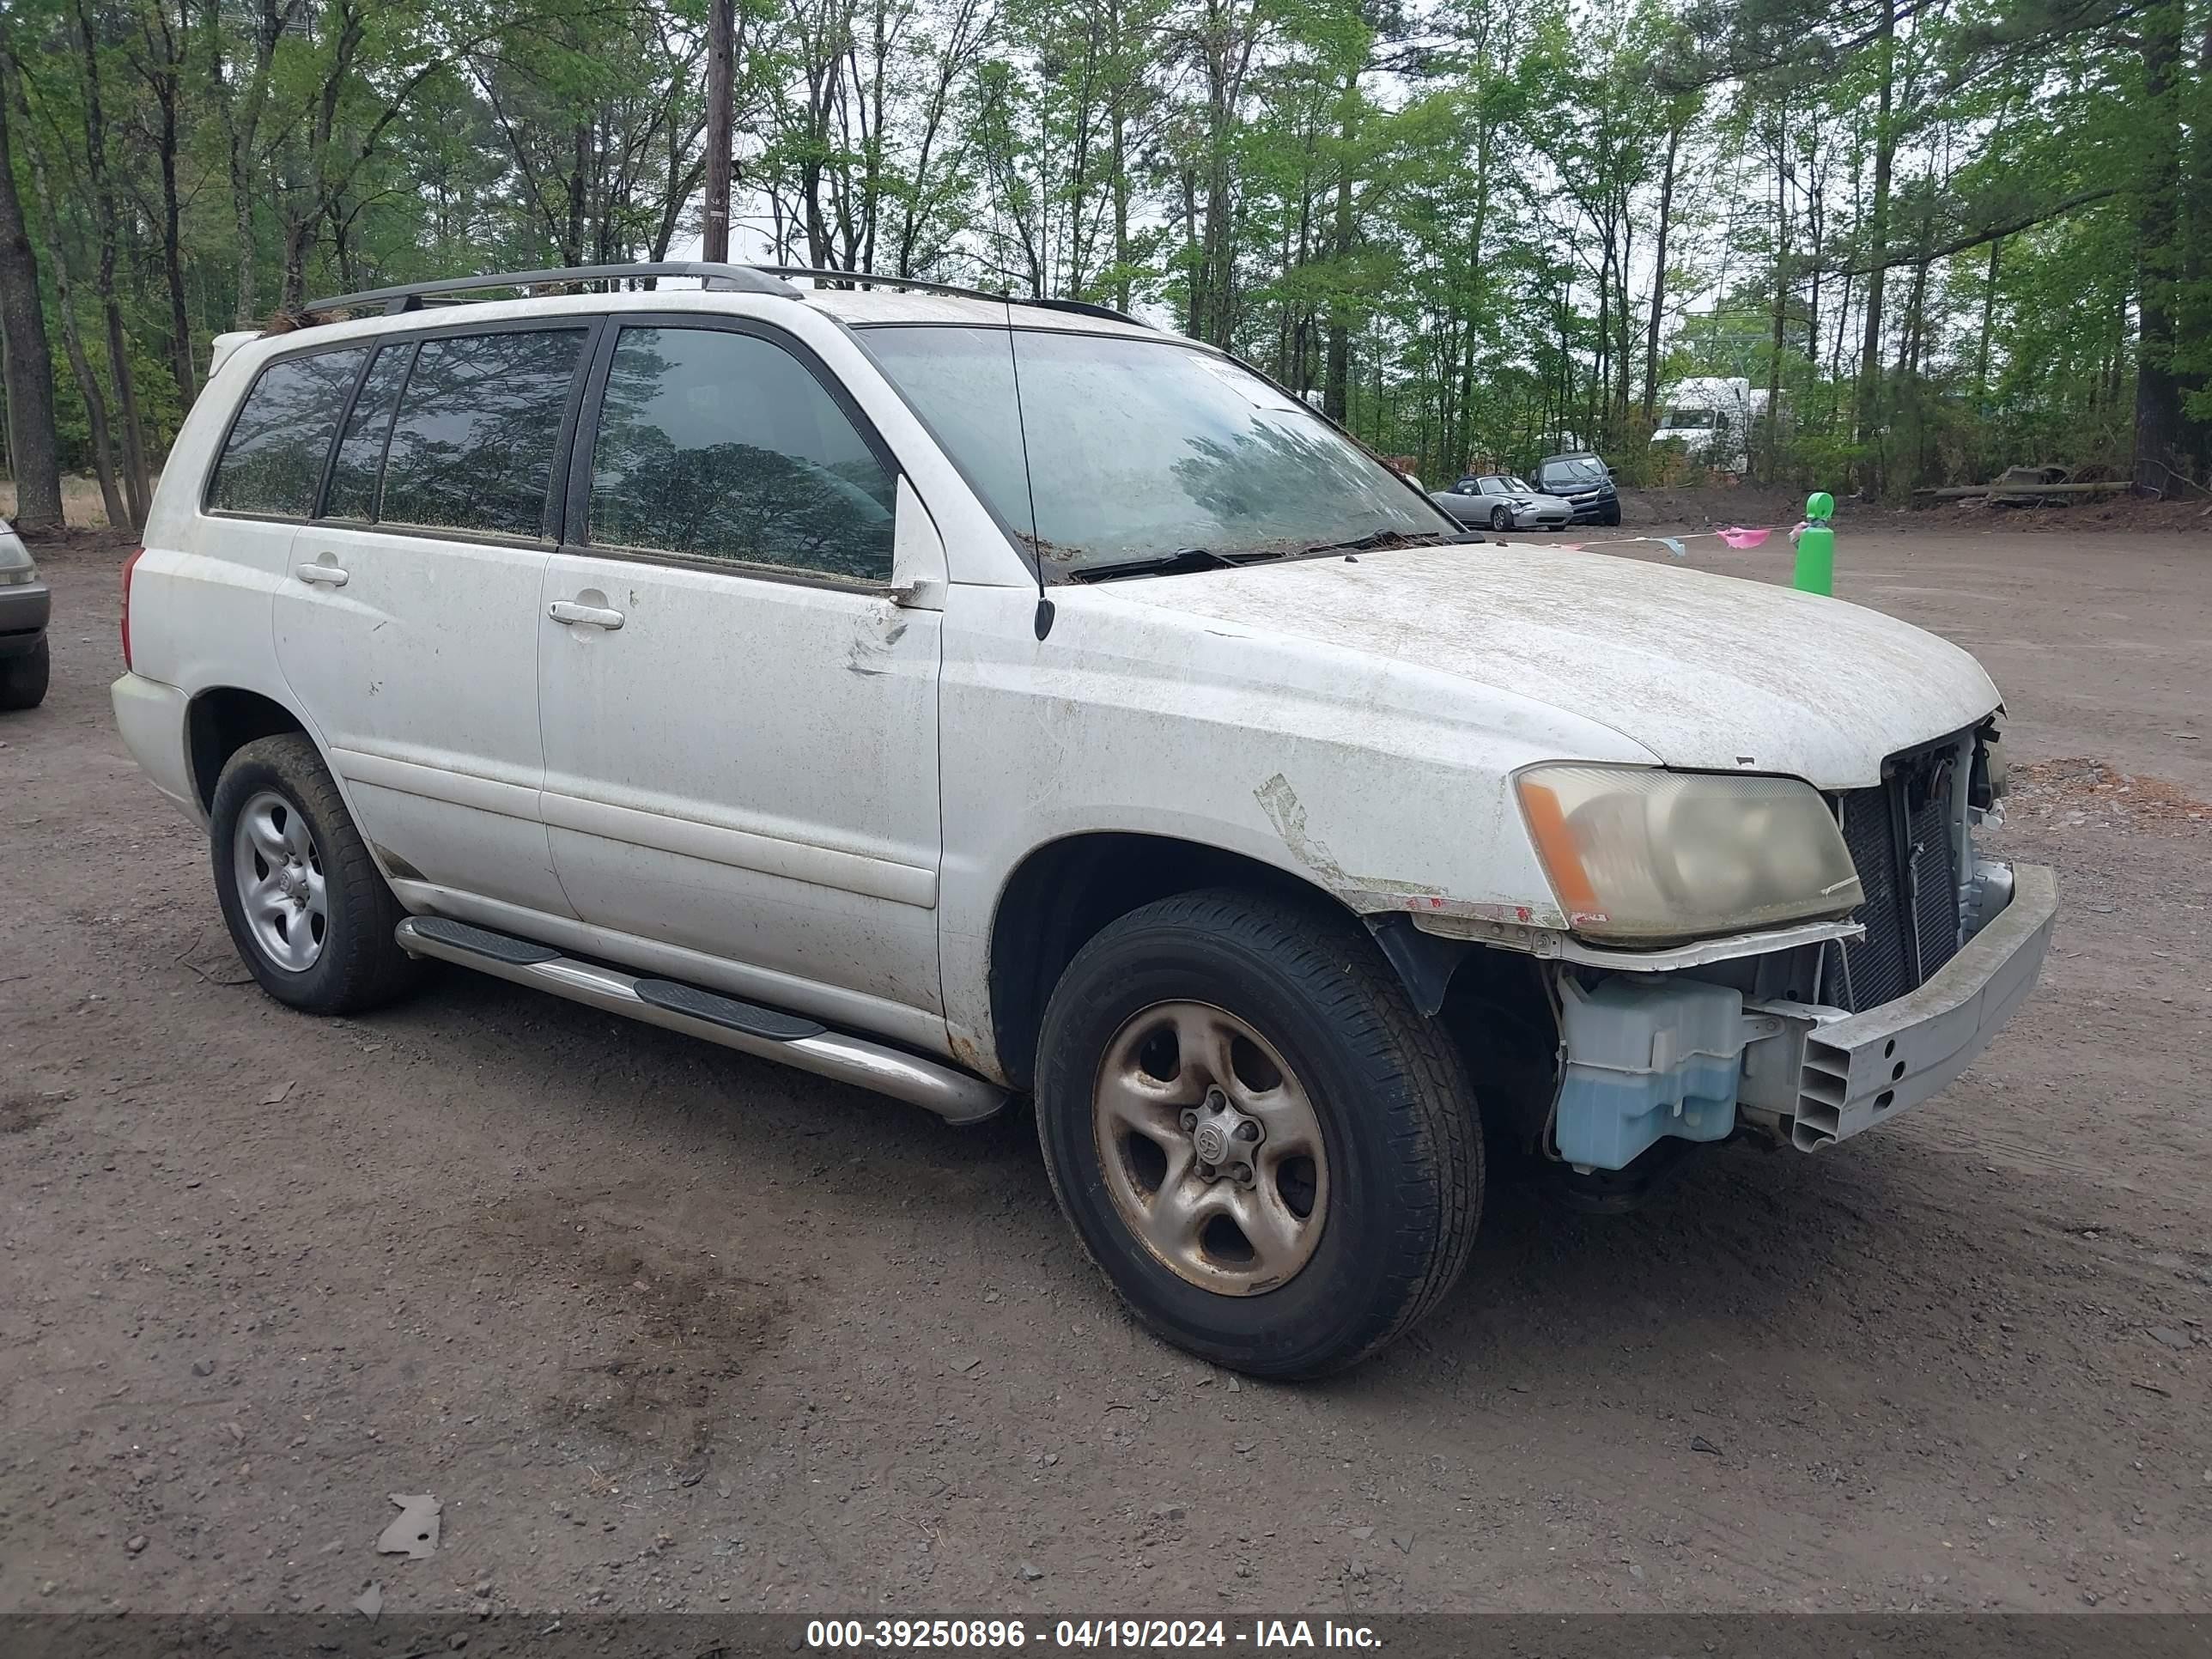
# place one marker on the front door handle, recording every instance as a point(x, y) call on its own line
point(322, 573)
point(571, 615)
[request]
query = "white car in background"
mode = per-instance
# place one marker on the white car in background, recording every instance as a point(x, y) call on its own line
point(969, 698)
point(1498, 501)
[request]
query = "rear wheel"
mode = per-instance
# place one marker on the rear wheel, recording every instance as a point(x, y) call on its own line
point(306, 905)
point(23, 679)
point(1266, 1150)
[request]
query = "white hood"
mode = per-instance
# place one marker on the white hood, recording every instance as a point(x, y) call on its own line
point(1707, 672)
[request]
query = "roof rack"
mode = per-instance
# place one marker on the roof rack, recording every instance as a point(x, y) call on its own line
point(872, 279)
point(750, 279)
point(409, 296)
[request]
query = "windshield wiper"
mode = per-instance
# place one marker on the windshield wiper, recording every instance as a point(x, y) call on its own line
point(1375, 538)
point(1164, 564)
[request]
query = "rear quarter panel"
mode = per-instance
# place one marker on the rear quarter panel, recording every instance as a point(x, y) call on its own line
point(201, 592)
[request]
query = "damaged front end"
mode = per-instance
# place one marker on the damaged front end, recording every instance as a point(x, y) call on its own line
point(1799, 1036)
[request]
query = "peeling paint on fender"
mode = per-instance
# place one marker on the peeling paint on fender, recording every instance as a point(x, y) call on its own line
point(1288, 814)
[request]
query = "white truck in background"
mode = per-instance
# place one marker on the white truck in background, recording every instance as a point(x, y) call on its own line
point(1710, 417)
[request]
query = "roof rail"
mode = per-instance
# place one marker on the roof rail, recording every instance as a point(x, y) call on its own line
point(409, 296)
point(874, 279)
point(752, 279)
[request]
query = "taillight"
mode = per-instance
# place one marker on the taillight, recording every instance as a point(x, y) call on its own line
point(129, 565)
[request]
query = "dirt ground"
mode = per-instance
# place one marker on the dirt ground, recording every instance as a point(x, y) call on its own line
point(664, 1328)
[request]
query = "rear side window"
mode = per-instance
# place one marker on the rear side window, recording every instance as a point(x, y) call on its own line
point(273, 459)
point(360, 451)
point(472, 443)
point(724, 445)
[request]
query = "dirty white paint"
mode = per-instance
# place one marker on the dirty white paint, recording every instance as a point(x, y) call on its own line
point(413, 666)
point(1707, 671)
point(816, 796)
point(748, 768)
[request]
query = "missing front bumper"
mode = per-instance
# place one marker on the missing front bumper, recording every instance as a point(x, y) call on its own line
point(1834, 1074)
point(1651, 1056)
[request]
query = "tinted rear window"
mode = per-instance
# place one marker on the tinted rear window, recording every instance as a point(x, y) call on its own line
point(473, 446)
point(273, 459)
point(361, 452)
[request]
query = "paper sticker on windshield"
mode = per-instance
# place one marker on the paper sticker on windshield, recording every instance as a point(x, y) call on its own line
point(1247, 385)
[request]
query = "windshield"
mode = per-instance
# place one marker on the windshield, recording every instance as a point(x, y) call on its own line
point(1573, 469)
point(1520, 486)
point(1140, 448)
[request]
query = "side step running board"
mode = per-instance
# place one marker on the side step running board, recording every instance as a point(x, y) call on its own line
point(769, 1033)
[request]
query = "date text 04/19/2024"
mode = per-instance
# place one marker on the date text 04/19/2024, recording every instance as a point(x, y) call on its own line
point(998, 1635)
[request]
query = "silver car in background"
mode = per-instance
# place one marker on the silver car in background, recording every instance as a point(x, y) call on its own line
point(1502, 501)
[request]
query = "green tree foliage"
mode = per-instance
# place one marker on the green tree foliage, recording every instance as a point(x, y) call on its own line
point(1929, 240)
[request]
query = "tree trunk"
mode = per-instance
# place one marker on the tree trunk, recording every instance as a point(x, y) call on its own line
point(1193, 283)
point(241, 121)
point(572, 247)
point(34, 445)
point(134, 482)
point(1988, 316)
point(1659, 278)
point(2157, 220)
point(241, 206)
point(172, 256)
point(88, 383)
point(1868, 415)
point(1781, 308)
point(1336, 373)
point(1601, 381)
point(721, 69)
point(1120, 164)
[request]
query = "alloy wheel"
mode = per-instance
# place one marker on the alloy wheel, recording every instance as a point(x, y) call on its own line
point(1212, 1151)
point(279, 882)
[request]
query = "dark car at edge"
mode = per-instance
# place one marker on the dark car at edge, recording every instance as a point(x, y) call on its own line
point(1586, 484)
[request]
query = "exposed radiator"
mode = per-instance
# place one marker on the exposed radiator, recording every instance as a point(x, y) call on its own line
point(1902, 836)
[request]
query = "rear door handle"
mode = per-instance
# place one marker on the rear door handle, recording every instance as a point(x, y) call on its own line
point(323, 573)
point(571, 615)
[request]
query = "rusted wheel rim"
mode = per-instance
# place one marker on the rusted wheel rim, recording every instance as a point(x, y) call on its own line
point(1210, 1150)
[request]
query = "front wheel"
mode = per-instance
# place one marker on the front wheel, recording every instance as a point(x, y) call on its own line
point(1500, 519)
point(306, 905)
point(1613, 517)
point(1267, 1150)
point(23, 678)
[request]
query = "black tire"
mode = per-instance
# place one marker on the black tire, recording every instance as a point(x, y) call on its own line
point(1500, 519)
point(1613, 517)
point(23, 679)
point(1397, 1120)
point(360, 965)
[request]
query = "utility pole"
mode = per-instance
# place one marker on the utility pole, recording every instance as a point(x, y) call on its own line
point(722, 55)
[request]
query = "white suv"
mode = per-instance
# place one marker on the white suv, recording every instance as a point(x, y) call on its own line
point(972, 699)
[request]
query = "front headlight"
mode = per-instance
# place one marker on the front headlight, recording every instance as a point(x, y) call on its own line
point(16, 575)
point(1641, 856)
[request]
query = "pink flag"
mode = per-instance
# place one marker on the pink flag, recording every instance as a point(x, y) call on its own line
point(1738, 537)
